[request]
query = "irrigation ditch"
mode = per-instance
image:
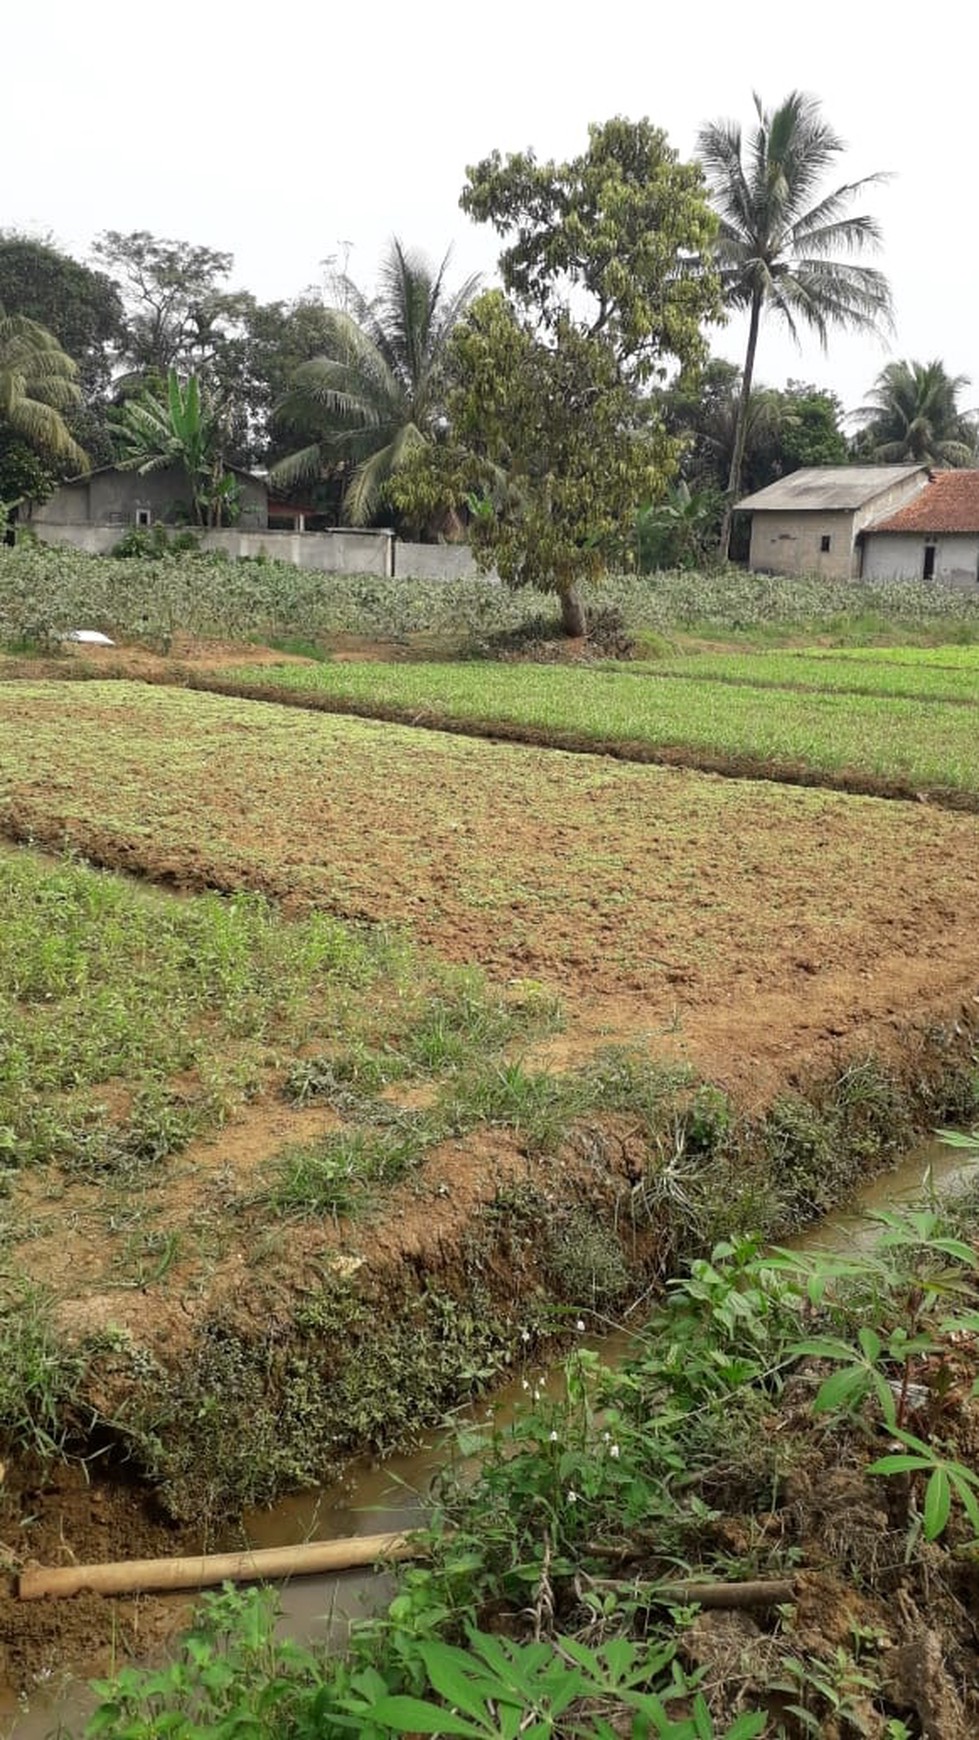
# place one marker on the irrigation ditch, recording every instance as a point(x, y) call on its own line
point(360, 1355)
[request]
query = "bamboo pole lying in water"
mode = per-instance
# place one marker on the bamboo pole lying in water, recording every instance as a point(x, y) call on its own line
point(127, 1576)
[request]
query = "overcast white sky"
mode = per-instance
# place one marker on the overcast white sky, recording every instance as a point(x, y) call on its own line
point(284, 133)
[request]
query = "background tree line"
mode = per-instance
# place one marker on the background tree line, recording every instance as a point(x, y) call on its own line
point(572, 418)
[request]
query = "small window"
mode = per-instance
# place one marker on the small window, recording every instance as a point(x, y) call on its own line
point(824, 543)
point(928, 566)
point(144, 516)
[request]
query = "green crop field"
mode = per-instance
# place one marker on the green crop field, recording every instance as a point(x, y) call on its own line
point(879, 739)
point(874, 671)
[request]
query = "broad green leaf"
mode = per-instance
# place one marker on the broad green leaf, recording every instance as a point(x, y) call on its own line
point(406, 1715)
point(899, 1464)
point(938, 1504)
point(840, 1388)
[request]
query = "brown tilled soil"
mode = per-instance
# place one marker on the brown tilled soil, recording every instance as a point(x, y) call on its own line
point(749, 928)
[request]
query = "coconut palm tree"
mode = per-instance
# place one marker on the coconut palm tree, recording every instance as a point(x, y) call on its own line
point(780, 239)
point(913, 414)
point(38, 384)
point(375, 395)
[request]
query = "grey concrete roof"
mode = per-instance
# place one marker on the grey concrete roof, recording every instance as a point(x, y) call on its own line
point(827, 487)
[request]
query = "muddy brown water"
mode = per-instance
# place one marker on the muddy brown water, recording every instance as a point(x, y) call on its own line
point(396, 1493)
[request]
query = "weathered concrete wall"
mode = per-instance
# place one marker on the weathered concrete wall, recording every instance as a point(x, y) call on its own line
point(339, 552)
point(436, 562)
point(791, 542)
point(325, 552)
point(901, 556)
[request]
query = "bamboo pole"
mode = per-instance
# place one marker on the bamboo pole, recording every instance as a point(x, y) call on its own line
point(127, 1576)
point(771, 1593)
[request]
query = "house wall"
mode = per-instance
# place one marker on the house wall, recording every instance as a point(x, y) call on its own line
point(901, 555)
point(788, 542)
point(111, 498)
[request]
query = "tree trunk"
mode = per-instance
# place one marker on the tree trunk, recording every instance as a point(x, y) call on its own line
point(741, 426)
point(573, 619)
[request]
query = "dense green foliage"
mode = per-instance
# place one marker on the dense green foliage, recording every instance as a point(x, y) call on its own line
point(376, 393)
point(612, 237)
point(44, 591)
point(38, 387)
point(516, 1625)
point(913, 416)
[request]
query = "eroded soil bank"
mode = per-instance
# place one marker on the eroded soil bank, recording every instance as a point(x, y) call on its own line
point(200, 1393)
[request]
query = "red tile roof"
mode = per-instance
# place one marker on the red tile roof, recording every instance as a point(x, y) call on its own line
point(949, 502)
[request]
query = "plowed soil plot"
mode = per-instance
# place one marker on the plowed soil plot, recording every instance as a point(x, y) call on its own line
point(748, 927)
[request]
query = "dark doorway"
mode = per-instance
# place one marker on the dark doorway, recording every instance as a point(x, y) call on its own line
point(928, 567)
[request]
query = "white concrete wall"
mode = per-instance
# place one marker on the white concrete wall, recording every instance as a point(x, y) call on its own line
point(341, 552)
point(901, 555)
point(436, 562)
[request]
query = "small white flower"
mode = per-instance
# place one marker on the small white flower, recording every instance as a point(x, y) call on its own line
point(536, 1395)
point(524, 1385)
point(572, 1496)
point(553, 1438)
point(525, 1334)
point(580, 1326)
point(614, 1452)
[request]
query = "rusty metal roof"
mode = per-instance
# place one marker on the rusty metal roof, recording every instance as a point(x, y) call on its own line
point(829, 488)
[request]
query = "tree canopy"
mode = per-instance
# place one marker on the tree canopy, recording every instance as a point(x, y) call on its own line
point(614, 239)
point(548, 430)
point(913, 413)
point(38, 387)
point(376, 393)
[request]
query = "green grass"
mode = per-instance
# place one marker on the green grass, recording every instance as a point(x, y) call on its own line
point(920, 675)
point(175, 1011)
point(876, 737)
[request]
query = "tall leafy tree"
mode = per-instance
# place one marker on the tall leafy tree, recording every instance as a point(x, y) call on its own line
point(548, 442)
point(612, 239)
point(38, 389)
point(178, 313)
point(182, 429)
point(784, 245)
point(547, 409)
point(913, 413)
point(377, 392)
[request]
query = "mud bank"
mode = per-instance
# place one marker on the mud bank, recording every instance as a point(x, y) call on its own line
point(356, 1337)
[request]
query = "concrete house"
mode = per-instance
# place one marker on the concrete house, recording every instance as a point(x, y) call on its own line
point(113, 499)
point(811, 522)
point(934, 536)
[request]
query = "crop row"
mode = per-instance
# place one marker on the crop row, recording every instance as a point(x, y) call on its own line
point(880, 738)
